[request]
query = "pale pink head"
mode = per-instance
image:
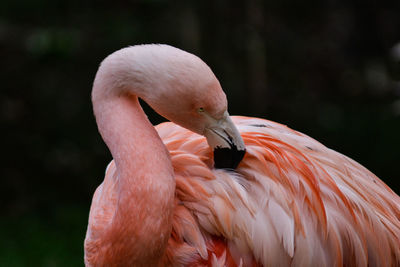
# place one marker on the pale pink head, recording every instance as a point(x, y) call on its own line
point(176, 84)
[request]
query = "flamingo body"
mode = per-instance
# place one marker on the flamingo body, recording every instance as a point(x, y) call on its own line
point(290, 202)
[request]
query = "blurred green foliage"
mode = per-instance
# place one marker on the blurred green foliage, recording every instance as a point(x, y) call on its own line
point(49, 240)
point(327, 68)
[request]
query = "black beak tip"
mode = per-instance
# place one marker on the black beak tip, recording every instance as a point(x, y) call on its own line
point(227, 158)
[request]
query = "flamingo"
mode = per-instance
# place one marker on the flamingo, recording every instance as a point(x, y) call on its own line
point(208, 189)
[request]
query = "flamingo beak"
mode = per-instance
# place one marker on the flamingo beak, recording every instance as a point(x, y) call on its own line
point(223, 136)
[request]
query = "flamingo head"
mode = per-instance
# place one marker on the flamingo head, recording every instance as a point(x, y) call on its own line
point(182, 88)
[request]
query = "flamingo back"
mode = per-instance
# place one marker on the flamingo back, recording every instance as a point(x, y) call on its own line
point(291, 202)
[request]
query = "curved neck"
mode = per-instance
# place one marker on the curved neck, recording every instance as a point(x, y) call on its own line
point(145, 182)
point(129, 135)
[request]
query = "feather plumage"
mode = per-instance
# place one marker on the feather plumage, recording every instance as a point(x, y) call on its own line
point(291, 202)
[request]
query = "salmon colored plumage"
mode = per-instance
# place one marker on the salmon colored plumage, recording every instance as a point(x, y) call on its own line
point(290, 202)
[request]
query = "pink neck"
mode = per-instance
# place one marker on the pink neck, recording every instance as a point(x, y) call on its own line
point(145, 179)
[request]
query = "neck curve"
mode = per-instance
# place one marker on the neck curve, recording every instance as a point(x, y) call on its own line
point(145, 183)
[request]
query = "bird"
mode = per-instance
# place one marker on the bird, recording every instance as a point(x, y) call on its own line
point(210, 189)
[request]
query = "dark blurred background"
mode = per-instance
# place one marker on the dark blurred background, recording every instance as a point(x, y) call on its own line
point(330, 69)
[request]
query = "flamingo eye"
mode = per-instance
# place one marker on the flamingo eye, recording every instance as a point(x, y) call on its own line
point(200, 110)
